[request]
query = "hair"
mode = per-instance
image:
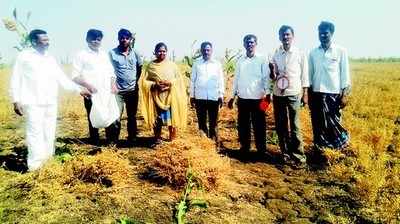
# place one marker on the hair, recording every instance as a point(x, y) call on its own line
point(124, 33)
point(249, 36)
point(160, 45)
point(327, 25)
point(93, 34)
point(34, 35)
point(284, 28)
point(205, 44)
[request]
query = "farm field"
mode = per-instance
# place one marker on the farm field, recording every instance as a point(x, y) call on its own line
point(112, 184)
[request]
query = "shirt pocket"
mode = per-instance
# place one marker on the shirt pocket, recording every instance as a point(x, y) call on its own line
point(332, 63)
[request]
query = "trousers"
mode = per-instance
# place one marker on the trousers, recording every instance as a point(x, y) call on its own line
point(204, 109)
point(249, 113)
point(130, 100)
point(287, 123)
point(40, 133)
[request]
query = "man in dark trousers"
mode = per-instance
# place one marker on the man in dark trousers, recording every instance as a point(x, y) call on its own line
point(207, 90)
point(127, 67)
point(92, 69)
point(251, 86)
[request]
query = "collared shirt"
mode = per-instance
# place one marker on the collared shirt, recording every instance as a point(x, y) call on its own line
point(125, 68)
point(329, 70)
point(36, 79)
point(207, 80)
point(251, 77)
point(292, 63)
point(94, 67)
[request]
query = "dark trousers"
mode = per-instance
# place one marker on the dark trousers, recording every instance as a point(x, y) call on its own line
point(111, 131)
point(208, 108)
point(130, 100)
point(326, 120)
point(250, 113)
point(287, 123)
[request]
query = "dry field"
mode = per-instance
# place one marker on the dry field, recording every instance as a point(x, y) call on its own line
point(87, 184)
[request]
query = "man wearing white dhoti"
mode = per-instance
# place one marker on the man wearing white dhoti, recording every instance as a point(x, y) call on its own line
point(34, 89)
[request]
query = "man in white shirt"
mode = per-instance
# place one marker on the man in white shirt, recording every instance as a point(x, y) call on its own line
point(207, 90)
point(330, 86)
point(251, 86)
point(34, 89)
point(92, 69)
point(290, 79)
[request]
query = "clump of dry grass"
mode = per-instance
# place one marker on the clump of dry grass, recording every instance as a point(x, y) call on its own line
point(105, 169)
point(173, 159)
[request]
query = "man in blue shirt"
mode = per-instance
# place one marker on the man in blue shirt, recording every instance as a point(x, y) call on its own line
point(127, 67)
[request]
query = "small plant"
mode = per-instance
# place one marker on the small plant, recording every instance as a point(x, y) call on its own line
point(189, 60)
point(63, 157)
point(127, 220)
point(230, 60)
point(185, 204)
point(272, 138)
point(19, 27)
point(63, 153)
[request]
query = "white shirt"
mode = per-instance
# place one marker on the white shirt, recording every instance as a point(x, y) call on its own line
point(251, 77)
point(293, 63)
point(329, 70)
point(94, 67)
point(36, 79)
point(207, 80)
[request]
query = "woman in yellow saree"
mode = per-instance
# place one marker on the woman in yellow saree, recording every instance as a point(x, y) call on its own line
point(163, 98)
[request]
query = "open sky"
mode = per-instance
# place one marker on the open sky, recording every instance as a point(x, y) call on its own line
point(365, 28)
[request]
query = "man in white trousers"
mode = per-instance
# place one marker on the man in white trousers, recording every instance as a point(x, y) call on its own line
point(34, 89)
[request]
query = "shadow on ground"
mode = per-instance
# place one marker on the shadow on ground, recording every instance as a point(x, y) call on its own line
point(16, 160)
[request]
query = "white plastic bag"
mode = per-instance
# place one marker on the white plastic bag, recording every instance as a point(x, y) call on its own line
point(104, 109)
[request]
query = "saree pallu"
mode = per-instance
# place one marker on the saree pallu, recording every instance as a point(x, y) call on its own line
point(326, 121)
point(153, 101)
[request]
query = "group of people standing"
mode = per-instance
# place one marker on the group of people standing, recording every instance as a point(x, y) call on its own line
point(321, 80)
point(290, 79)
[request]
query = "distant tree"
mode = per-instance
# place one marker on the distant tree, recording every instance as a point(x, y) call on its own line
point(20, 28)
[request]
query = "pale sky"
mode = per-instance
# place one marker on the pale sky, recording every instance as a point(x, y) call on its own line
point(365, 28)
